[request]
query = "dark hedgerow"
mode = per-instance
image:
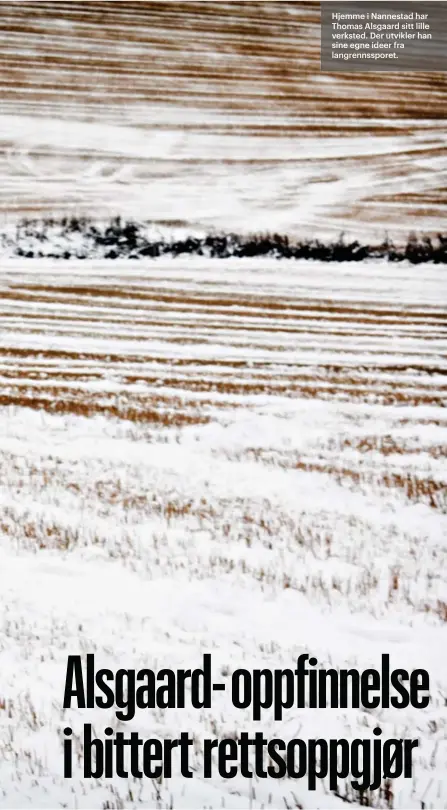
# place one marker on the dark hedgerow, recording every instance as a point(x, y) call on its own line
point(82, 238)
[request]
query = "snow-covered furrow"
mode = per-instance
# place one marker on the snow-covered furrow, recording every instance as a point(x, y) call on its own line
point(278, 339)
point(268, 344)
point(47, 318)
point(383, 287)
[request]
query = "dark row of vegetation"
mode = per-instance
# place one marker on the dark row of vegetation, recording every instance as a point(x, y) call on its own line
point(82, 239)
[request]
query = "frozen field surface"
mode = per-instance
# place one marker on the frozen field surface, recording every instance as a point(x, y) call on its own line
point(212, 115)
point(241, 457)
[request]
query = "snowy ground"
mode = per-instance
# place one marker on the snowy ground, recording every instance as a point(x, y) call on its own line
point(241, 457)
point(212, 115)
point(246, 458)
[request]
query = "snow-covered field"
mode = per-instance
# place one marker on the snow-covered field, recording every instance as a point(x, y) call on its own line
point(210, 115)
point(238, 457)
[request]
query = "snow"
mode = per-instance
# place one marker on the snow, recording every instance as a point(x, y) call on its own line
point(293, 521)
point(242, 457)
